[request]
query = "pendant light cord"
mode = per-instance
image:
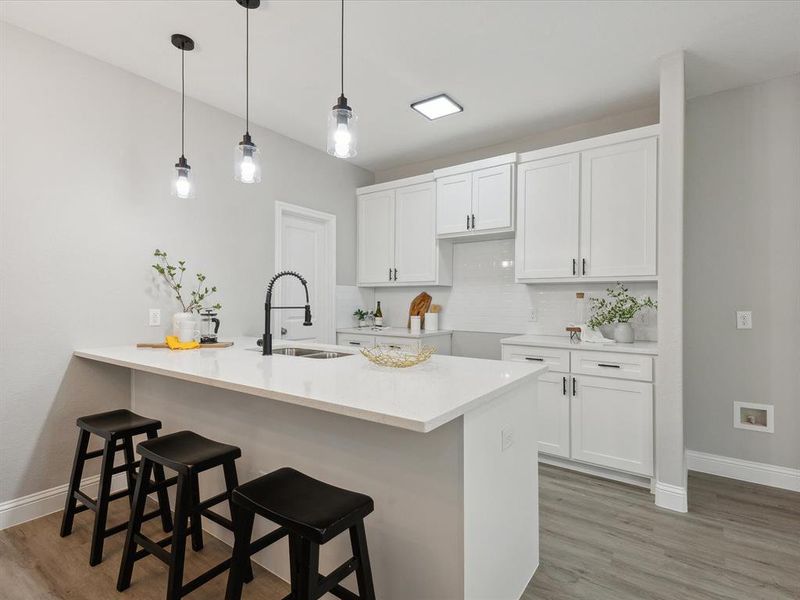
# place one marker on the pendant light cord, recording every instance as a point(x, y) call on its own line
point(183, 97)
point(247, 72)
point(342, 49)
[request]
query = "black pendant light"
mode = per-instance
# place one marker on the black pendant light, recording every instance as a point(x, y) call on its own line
point(246, 161)
point(342, 139)
point(182, 185)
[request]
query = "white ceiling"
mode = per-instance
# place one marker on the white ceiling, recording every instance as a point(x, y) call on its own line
point(517, 67)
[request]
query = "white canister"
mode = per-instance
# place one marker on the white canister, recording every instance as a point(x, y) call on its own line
point(431, 321)
point(416, 324)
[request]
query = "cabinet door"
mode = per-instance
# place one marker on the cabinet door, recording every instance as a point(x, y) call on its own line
point(491, 198)
point(547, 218)
point(415, 250)
point(375, 237)
point(453, 203)
point(553, 415)
point(618, 209)
point(612, 423)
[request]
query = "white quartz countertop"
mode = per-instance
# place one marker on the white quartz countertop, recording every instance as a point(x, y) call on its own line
point(419, 398)
point(393, 332)
point(561, 341)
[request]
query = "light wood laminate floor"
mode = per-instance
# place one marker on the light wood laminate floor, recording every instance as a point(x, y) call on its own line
point(600, 540)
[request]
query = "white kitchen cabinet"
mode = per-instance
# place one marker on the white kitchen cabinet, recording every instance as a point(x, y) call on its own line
point(612, 423)
point(553, 415)
point(618, 209)
point(397, 242)
point(398, 338)
point(548, 238)
point(587, 210)
point(476, 199)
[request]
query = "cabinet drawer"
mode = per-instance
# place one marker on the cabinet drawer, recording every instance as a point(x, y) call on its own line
point(557, 360)
point(398, 343)
point(355, 339)
point(613, 364)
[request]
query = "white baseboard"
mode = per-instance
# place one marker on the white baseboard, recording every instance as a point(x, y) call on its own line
point(671, 497)
point(744, 470)
point(33, 506)
point(612, 474)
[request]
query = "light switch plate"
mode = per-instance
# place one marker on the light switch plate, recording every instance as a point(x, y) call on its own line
point(155, 317)
point(744, 319)
point(506, 439)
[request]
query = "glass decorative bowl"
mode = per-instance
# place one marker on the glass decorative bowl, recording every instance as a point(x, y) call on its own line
point(397, 357)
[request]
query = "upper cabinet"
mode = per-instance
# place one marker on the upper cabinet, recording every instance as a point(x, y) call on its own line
point(587, 210)
point(476, 199)
point(397, 242)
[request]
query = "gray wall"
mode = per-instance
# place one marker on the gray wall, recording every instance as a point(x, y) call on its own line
point(742, 228)
point(87, 151)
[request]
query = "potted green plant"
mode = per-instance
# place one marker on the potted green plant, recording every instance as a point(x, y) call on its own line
point(362, 317)
point(173, 276)
point(617, 311)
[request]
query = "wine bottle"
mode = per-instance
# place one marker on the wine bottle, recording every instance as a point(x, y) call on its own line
point(379, 315)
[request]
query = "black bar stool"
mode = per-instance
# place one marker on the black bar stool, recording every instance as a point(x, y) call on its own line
point(117, 428)
point(314, 513)
point(189, 454)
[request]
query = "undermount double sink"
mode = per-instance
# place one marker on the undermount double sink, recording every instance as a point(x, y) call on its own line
point(309, 353)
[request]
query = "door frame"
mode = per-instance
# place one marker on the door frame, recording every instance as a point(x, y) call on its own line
point(282, 209)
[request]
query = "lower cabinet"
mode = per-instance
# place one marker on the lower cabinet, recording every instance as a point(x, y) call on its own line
point(612, 423)
point(441, 343)
point(554, 407)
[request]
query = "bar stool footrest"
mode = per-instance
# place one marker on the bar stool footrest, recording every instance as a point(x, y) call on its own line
point(218, 519)
point(214, 571)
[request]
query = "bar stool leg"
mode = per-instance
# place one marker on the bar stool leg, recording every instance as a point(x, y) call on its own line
point(134, 525)
point(104, 491)
point(74, 483)
point(130, 472)
point(178, 553)
point(358, 541)
point(231, 483)
point(196, 517)
point(307, 571)
point(163, 496)
point(240, 561)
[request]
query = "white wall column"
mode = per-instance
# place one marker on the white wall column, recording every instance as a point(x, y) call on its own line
point(671, 482)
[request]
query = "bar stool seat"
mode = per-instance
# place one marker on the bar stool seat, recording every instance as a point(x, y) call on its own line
point(187, 451)
point(313, 509)
point(117, 423)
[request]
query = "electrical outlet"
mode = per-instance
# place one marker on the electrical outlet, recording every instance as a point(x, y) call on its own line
point(155, 317)
point(506, 439)
point(534, 316)
point(744, 319)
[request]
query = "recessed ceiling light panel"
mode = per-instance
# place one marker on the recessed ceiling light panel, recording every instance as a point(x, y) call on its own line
point(437, 107)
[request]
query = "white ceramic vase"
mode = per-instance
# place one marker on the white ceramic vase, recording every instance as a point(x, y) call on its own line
point(623, 333)
point(176, 321)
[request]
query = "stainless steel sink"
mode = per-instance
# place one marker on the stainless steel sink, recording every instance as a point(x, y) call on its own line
point(309, 353)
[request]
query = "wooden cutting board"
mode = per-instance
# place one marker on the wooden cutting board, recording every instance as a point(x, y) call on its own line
point(164, 345)
point(419, 306)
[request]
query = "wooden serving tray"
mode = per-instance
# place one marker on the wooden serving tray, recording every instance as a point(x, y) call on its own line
point(164, 345)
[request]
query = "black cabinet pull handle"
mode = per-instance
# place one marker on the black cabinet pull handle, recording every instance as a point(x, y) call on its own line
point(563, 386)
point(395, 274)
point(390, 273)
point(355, 343)
point(574, 267)
point(467, 221)
point(473, 221)
point(609, 366)
point(534, 358)
point(574, 384)
point(583, 266)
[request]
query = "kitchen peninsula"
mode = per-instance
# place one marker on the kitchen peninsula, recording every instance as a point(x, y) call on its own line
point(446, 449)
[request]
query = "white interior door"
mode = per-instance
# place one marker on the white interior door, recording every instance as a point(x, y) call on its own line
point(547, 218)
point(375, 237)
point(491, 198)
point(415, 233)
point(305, 243)
point(618, 209)
point(453, 203)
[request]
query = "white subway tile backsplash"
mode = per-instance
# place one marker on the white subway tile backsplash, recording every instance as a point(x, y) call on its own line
point(484, 297)
point(348, 299)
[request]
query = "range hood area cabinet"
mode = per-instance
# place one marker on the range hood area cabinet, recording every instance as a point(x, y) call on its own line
point(586, 211)
point(476, 200)
point(397, 243)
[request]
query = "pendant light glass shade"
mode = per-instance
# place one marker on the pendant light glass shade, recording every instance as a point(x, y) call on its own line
point(342, 131)
point(182, 180)
point(247, 161)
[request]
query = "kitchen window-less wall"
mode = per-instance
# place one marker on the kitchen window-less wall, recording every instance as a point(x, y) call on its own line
point(80, 222)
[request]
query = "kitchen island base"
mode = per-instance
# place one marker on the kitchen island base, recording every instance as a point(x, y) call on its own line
point(456, 509)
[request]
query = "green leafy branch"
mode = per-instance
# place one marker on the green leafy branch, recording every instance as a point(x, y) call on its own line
point(361, 314)
point(621, 307)
point(173, 276)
